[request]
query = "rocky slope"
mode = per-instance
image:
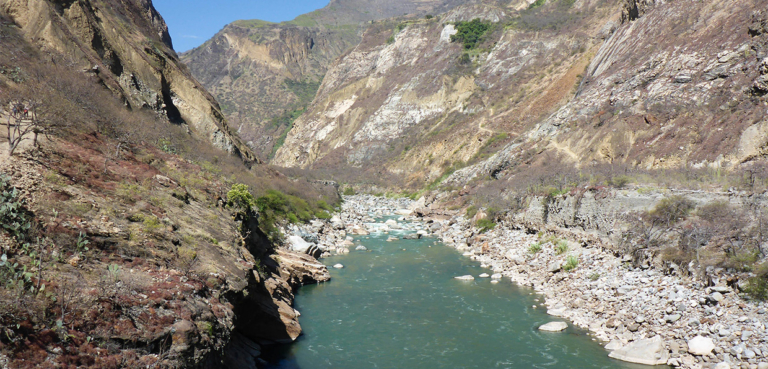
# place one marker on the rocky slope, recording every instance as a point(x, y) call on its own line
point(127, 46)
point(265, 74)
point(649, 84)
point(418, 104)
point(119, 245)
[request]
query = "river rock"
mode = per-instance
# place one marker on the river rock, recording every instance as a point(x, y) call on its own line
point(484, 275)
point(412, 236)
point(496, 276)
point(404, 212)
point(296, 243)
point(392, 238)
point(361, 248)
point(465, 278)
point(338, 266)
point(359, 231)
point(391, 223)
point(613, 345)
point(553, 327)
point(723, 365)
point(700, 345)
point(649, 351)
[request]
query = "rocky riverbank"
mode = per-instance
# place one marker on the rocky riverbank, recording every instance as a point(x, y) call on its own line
point(642, 315)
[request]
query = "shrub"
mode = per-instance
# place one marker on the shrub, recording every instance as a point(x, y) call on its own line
point(13, 215)
point(571, 263)
point(472, 211)
point(241, 197)
point(534, 248)
point(537, 4)
point(757, 288)
point(671, 210)
point(594, 276)
point(485, 225)
point(561, 247)
point(349, 191)
point(470, 33)
point(619, 181)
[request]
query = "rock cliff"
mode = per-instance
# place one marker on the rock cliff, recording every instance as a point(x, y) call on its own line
point(127, 46)
point(410, 100)
point(651, 84)
point(265, 74)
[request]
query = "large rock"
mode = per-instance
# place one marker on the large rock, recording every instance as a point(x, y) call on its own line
point(554, 327)
point(465, 278)
point(700, 345)
point(649, 351)
point(298, 244)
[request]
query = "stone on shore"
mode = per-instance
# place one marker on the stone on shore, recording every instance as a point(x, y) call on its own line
point(553, 327)
point(723, 365)
point(649, 351)
point(700, 345)
point(465, 278)
point(613, 345)
point(298, 244)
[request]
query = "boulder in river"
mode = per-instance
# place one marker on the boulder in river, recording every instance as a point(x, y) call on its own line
point(465, 278)
point(338, 266)
point(554, 327)
point(649, 351)
point(484, 275)
point(392, 238)
point(361, 248)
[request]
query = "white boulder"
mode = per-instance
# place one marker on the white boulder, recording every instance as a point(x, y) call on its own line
point(700, 345)
point(554, 327)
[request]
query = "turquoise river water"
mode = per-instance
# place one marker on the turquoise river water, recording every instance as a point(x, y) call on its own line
point(398, 305)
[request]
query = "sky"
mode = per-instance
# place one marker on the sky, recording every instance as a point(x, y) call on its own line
point(192, 22)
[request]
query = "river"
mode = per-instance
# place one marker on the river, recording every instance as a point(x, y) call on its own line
point(397, 305)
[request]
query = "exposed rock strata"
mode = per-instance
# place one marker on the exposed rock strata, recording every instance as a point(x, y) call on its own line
point(127, 46)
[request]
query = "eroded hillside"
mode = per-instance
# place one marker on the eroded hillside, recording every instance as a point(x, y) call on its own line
point(650, 84)
point(126, 238)
point(126, 45)
point(410, 100)
point(265, 74)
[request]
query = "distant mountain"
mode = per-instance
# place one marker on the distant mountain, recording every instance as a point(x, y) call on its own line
point(265, 74)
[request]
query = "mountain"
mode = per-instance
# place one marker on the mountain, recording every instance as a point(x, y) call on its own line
point(127, 46)
point(647, 84)
point(130, 236)
point(265, 74)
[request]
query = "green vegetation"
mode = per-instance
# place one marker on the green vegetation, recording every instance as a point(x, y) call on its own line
point(571, 262)
point(349, 191)
point(534, 248)
point(561, 247)
point(13, 215)
point(305, 91)
point(472, 211)
point(471, 33)
point(251, 23)
point(304, 20)
point(757, 288)
point(537, 4)
point(594, 276)
point(275, 207)
point(485, 225)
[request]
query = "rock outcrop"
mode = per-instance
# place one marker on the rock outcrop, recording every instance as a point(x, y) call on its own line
point(265, 74)
point(127, 46)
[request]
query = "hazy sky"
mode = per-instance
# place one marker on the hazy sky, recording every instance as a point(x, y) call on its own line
point(192, 22)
